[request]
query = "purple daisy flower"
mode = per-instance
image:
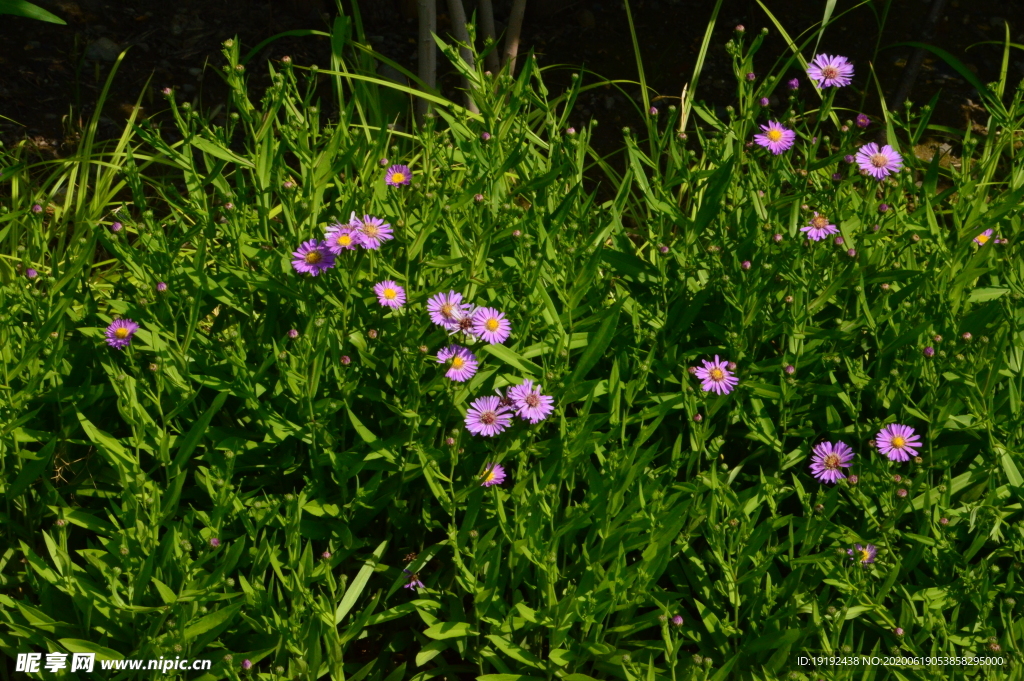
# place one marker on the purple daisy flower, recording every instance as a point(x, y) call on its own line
point(414, 581)
point(879, 163)
point(446, 309)
point(529, 404)
point(775, 137)
point(312, 258)
point(794, 84)
point(830, 71)
point(898, 442)
point(342, 238)
point(983, 238)
point(491, 325)
point(827, 460)
point(819, 228)
point(487, 417)
point(864, 554)
point(390, 294)
point(715, 377)
point(464, 363)
point(463, 321)
point(372, 232)
point(398, 175)
point(863, 121)
point(120, 332)
point(494, 474)
point(32, 274)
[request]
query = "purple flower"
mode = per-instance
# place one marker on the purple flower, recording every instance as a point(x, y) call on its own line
point(246, 664)
point(830, 71)
point(838, 241)
point(446, 309)
point(463, 362)
point(863, 121)
point(879, 163)
point(312, 258)
point(487, 417)
point(898, 442)
point(343, 237)
point(31, 273)
point(529, 404)
point(677, 620)
point(794, 84)
point(161, 286)
point(827, 460)
point(397, 175)
point(883, 208)
point(790, 369)
point(983, 238)
point(777, 138)
point(491, 325)
point(120, 332)
point(837, 176)
point(929, 351)
point(865, 554)
point(852, 253)
point(653, 111)
point(214, 542)
point(819, 228)
point(346, 360)
point(116, 227)
point(751, 76)
point(36, 208)
point(372, 232)
point(849, 158)
point(390, 294)
point(494, 474)
point(764, 101)
point(715, 377)
point(745, 264)
point(293, 333)
point(898, 631)
point(777, 238)
point(414, 581)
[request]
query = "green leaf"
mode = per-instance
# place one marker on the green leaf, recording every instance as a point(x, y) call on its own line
point(21, 8)
point(513, 359)
point(211, 621)
point(598, 343)
point(75, 645)
point(358, 584)
point(31, 470)
point(215, 150)
point(449, 630)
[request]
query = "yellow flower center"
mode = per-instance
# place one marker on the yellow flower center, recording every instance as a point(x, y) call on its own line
point(831, 461)
point(879, 160)
point(830, 72)
point(774, 135)
point(489, 475)
point(982, 238)
point(390, 293)
point(313, 257)
point(344, 240)
point(717, 374)
point(865, 555)
point(370, 230)
point(819, 221)
point(457, 362)
point(446, 310)
point(121, 333)
point(398, 177)
point(491, 324)
point(898, 442)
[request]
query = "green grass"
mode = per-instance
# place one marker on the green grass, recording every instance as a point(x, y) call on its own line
point(621, 508)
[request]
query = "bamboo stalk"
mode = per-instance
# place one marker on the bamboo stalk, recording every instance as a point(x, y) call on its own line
point(487, 25)
point(427, 52)
point(458, 15)
point(515, 27)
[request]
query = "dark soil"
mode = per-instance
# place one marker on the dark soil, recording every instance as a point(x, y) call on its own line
point(53, 74)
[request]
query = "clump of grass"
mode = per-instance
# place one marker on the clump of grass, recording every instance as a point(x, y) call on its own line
point(754, 406)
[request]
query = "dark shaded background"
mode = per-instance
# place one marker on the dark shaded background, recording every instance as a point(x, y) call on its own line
point(50, 76)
